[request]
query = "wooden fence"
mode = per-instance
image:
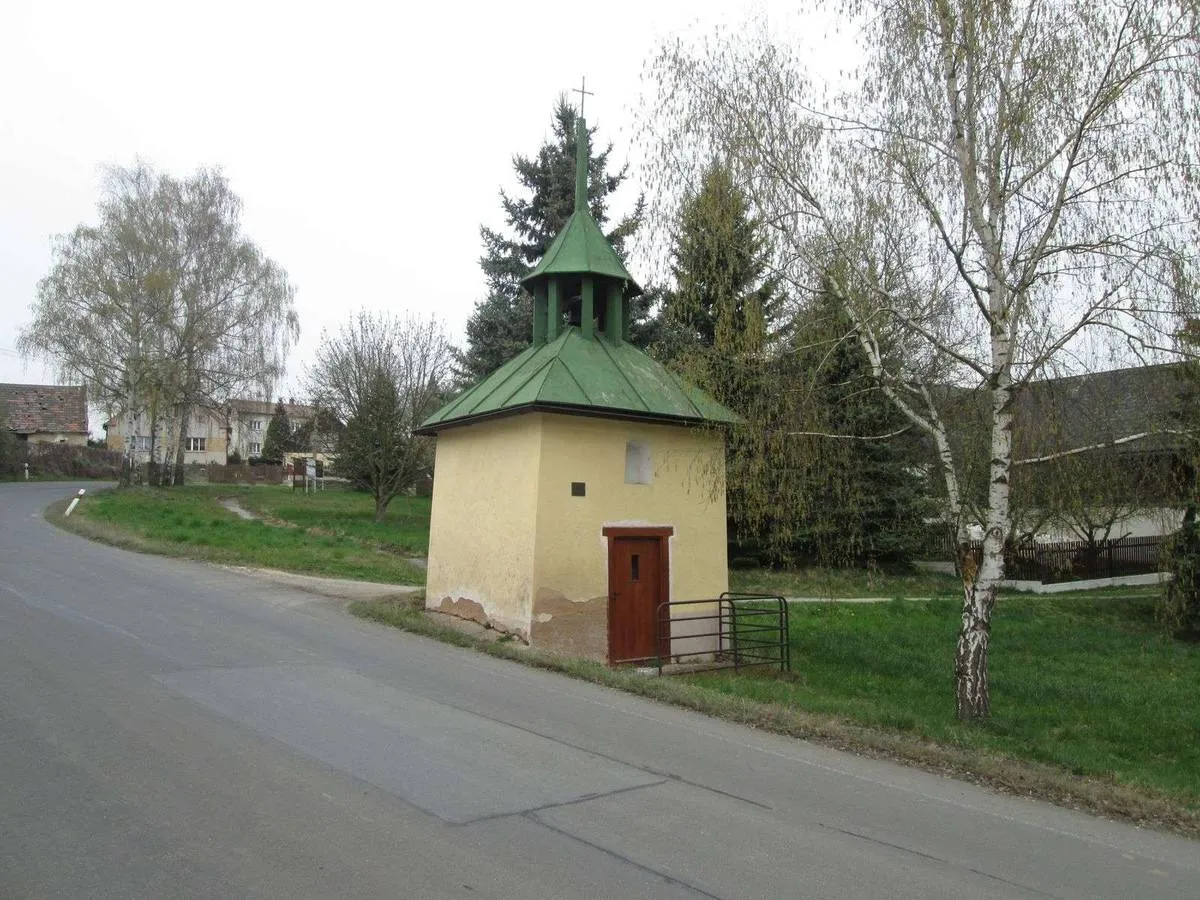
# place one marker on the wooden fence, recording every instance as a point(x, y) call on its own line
point(1076, 560)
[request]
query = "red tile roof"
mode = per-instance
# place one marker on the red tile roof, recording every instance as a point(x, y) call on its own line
point(44, 408)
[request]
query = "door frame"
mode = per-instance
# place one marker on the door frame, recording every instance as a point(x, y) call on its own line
point(661, 533)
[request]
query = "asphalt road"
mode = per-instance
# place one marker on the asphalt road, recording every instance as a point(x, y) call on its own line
point(170, 729)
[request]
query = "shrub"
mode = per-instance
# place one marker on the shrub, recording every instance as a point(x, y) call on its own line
point(9, 452)
point(57, 460)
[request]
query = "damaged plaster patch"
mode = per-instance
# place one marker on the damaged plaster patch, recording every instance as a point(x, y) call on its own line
point(576, 627)
point(465, 609)
point(473, 611)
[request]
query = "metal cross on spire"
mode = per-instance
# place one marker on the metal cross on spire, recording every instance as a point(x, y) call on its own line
point(583, 93)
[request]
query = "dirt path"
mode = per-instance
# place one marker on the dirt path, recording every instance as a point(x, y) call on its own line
point(241, 512)
point(237, 509)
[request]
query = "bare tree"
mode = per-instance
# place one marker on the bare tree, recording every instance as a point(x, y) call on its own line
point(163, 305)
point(382, 376)
point(1007, 188)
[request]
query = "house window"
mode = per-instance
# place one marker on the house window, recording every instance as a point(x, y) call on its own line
point(256, 424)
point(255, 449)
point(195, 445)
point(637, 463)
point(141, 442)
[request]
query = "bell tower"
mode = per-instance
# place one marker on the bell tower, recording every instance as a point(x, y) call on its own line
point(580, 282)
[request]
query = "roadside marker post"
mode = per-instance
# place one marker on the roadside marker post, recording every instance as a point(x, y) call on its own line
point(71, 505)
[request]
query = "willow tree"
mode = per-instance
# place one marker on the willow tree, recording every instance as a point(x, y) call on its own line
point(1007, 188)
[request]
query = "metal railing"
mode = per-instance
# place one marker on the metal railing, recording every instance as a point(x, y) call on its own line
point(757, 627)
point(744, 631)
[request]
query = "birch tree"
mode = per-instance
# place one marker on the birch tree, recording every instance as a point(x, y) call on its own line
point(163, 305)
point(232, 320)
point(101, 311)
point(1008, 188)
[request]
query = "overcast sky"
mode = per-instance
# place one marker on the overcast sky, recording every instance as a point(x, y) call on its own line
point(368, 142)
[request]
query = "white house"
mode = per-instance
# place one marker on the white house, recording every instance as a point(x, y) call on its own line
point(212, 434)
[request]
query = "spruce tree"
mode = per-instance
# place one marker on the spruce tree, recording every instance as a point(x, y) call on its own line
point(502, 323)
point(720, 330)
point(811, 475)
point(279, 434)
point(867, 500)
point(724, 297)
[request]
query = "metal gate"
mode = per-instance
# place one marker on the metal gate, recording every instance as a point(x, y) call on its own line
point(750, 630)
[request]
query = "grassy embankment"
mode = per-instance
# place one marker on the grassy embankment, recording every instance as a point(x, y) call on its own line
point(331, 533)
point(1087, 684)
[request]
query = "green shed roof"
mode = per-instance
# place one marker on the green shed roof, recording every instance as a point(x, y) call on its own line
point(581, 248)
point(583, 376)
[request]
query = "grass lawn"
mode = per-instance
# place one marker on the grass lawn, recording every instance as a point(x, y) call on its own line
point(1087, 684)
point(405, 528)
point(190, 522)
point(833, 583)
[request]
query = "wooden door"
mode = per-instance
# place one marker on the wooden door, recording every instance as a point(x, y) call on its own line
point(636, 586)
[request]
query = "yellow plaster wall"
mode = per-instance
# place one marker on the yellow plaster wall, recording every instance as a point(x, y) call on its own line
point(482, 526)
point(687, 492)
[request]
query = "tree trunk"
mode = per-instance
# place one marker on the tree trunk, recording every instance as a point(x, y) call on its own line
point(161, 475)
point(971, 694)
point(149, 477)
point(381, 505)
point(185, 417)
point(954, 506)
point(972, 699)
point(130, 449)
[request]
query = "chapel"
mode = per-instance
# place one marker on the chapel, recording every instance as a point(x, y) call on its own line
point(581, 485)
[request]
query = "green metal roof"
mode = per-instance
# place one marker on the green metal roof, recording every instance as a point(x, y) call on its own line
point(574, 374)
point(581, 248)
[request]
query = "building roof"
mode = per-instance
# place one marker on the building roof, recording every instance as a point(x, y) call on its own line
point(1098, 407)
point(44, 408)
point(581, 248)
point(1092, 410)
point(581, 376)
